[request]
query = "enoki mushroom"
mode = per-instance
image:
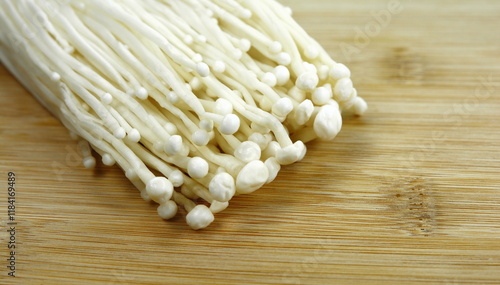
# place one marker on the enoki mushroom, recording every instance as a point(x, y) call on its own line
point(196, 100)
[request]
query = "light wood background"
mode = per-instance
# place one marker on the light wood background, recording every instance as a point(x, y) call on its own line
point(407, 194)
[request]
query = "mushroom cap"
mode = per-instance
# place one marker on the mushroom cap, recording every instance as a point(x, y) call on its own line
point(199, 217)
point(159, 188)
point(222, 187)
point(197, 167)
point(253, 176)
point(291, 153)
point(167, 210)
point(328, 122)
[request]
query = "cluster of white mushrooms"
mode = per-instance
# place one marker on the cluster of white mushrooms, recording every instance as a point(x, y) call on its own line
point(191, 98)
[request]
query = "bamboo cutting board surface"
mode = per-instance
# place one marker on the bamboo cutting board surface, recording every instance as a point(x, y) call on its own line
point(407, 194)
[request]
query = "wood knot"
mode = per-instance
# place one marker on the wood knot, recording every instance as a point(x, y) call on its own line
point(411, 204)
point(409, 66)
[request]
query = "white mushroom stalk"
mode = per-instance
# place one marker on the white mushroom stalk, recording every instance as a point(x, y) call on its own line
point(197, 101)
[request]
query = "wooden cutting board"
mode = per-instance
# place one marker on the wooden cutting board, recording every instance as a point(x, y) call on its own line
point(407, 194)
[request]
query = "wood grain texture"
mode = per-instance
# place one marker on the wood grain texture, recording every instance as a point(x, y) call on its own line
point(407, 194)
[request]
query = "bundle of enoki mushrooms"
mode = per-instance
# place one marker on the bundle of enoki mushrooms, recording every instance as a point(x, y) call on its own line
point(191, 98)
